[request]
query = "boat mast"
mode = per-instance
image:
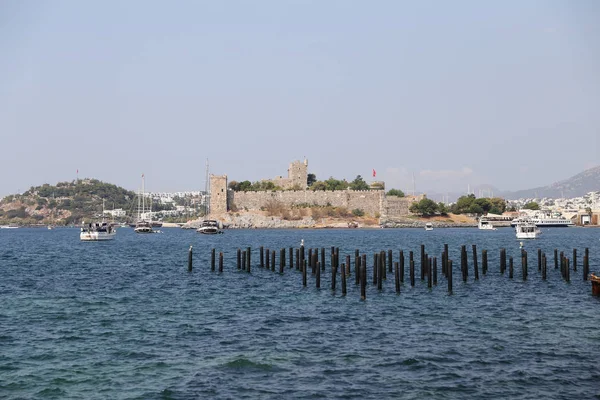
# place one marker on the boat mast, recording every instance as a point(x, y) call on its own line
point(207, 191)
point(143, 198)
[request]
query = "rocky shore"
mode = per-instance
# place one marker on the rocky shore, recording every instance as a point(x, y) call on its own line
point(259, 221)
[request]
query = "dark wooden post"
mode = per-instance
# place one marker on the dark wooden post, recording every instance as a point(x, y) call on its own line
point(347, 265)
point(281, 260)
point(389, 260)
point(333, 274)
point(363, 264)
point(244, 260)
point(397, 276)
point(524, 264)
point(212, 259)
point(380, 265)
point(586, 264)
point(363, 281)
point(239, 259)
point(357, 268)
point(248, 252)
point(423, 261)
point(543, 258)
point(429, 262)
point(401, 266)
point(273, 260)
point(539, 259)
point(475, 266)
point(323, 258)
point(304, 273)
point(555, 258)
point(449, 274)
point(574, 259)
point(291, 253)
point(221, 262)
point(343, 270)
point(318, 273)
point(190, 259)
point(502, 260)
point(510, 267)
point(412, 273)
point(262, 257)
point(297, 259)
point(484, 262)
point(267, 258)
point(435, 271)
point(310, 258)
point(446, 258)
point(375, 269)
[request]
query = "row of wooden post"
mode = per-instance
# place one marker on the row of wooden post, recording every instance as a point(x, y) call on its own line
point(383, 263)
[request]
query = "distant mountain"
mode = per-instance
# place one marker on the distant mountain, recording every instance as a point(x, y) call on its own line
point(576, 186)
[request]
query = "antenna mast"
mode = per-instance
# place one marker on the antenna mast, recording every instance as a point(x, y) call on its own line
point(207, 190)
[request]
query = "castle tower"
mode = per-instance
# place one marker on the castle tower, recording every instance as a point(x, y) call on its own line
point(298, 174)
point(218, 194)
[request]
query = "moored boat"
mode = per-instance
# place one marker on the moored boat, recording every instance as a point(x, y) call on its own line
point(209, 227)
point(485, 225)
point(527, 229)
point(94, 232)
point(429, 226)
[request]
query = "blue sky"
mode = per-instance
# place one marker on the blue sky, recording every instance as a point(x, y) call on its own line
point(456, 93)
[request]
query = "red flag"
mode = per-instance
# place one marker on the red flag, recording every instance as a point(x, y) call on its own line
point(77, 171)
point(374, 173)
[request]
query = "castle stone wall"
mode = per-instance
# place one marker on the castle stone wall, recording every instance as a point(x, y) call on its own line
point(368, 201)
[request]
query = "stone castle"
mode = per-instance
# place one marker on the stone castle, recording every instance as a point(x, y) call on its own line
point(374, 203)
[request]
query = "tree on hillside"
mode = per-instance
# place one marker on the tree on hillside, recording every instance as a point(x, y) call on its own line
point(532, 205)
point(395, 192)
point(463, 204)
point(425, 207)
point(310, 179)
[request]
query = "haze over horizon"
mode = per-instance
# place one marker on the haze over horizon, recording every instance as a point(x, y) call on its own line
point(457, 93)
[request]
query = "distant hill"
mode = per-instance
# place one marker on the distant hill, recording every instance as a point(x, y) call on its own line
point(63, 204)
point(576, 186)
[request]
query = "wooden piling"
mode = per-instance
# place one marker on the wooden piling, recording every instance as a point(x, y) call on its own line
point(281, 260)
point(239, 259)
point(363, 281)
point(248, 257)
point(475, 266)
point(318, 275)
point(539, 257)
point(510, 267)
point(586, 264)
point(423, 261)
point(297, 259)
point(291, 255)
point(380, 265)
point(273, 260)
point(502, 260)
point(435, 271)
point(333, 275)
point(190, 259)
point(356, 268)
point(412, 273)
point(343, 277)
point(397, 276)
point(304, 266)
point(484, 262)
point(323, 258)
point(401, 266)
point(244, 255)
point(524, 264)
point(574, 259)
point(445, 261)
point(262, 257)
point(555, 258)
point(221, 262)
point(449, 274)
point(389, 260)
point(347, 265)
point(267, 258)
point(212, 259)
point(363, 264)
point(429, 262)
point(544, 266)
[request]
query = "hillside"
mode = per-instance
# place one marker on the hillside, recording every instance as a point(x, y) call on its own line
point(65, 203)
point(575, 186)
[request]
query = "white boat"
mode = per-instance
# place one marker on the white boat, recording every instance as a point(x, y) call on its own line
point(141, 225)
point(97, 232)
point(209, 227)
point(547, 220)
point(11, 226)
point(527, 229)
point(485, 225)
point(428, 226)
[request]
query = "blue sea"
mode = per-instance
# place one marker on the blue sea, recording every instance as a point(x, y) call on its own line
point(126, 320)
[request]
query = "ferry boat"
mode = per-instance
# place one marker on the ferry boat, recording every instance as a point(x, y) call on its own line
point(547, 220)
point(97, 232)
point(209, 227)
point(527, 229)
point(429, 226)
point(485, 225)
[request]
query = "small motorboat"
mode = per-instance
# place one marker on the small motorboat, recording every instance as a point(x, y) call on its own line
point(485, 225)
point(209, 227)
point(429, 226)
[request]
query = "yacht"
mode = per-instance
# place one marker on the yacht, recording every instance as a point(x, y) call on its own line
point(11, 226)
point(94, 232)
point(527, 229)
point(547, 220)
point(485, 225)
point(209, 227)
point(141, 225)
point(429, 226)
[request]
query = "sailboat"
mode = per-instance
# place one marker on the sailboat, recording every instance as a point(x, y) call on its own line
point(141, 225)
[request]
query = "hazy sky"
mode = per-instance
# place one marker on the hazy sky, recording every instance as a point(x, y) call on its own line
point(456, 92)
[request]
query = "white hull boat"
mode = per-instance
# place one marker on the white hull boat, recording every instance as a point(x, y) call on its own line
point(429, 226)
point(527, 229)
point(485, 225)
point(97, 232)
point(209, 227)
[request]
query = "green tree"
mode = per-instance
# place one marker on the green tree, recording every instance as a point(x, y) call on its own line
point(395, 192)
point(463, 204)
point(424, 207)
point(310, 179)
point(319, 185)
point(442, 209)
point(532, 205)
point(359, 184)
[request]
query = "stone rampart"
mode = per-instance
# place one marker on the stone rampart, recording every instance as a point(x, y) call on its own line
point(369, 201)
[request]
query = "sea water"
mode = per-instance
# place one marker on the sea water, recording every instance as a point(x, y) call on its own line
point(126, 320)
